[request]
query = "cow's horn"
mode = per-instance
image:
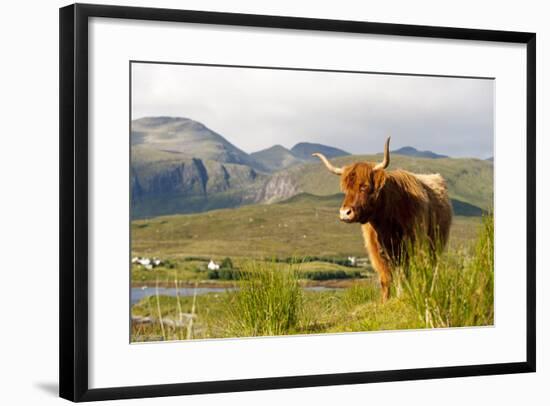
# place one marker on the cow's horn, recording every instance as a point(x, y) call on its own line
point(330, 167)
point(384, 164)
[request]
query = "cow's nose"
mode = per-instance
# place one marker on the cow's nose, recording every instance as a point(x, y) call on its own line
point(346, 213)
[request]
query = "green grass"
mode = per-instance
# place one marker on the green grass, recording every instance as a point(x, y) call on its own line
point(458, 291)
point(305, 226)
point(454, 291)
point(181, 270)
point(360, 294)
point(322, 275)
point(235, 314)
point(268, 302)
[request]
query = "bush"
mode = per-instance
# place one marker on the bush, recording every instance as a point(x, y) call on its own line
point(169, 264)
point(268, 302)
point(312, 258)
point(229, 274)
point(325, 275)
point(188, 259)
point(224, 274)
point(456, 289)
point(227, 263)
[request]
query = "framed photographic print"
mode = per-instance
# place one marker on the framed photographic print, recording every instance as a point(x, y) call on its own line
point(255, 202)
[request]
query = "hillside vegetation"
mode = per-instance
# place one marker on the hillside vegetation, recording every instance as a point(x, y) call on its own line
point(190, 185)
point(468, 180)
point(303, 225)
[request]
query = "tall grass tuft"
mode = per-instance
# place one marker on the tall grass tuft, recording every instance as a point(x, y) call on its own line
point(359, 294)
point(269, 301)
point(456, 289)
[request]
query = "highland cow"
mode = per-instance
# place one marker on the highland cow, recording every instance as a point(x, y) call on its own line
point(395, 208)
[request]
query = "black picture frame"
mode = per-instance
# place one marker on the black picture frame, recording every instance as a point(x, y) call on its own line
point(73, 281)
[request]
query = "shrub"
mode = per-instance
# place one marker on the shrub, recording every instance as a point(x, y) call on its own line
point(311, 258)
point(456, 289)
point(213, 274)
point(333, 274)
point(224, 274)
point(227, 263)
point(268, 302)
point(169, 264)
point(203, 259)
point(229, 274)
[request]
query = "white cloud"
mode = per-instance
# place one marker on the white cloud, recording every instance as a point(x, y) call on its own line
point(256, 108)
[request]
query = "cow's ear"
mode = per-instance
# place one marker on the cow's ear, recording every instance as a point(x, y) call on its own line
point(379, 180)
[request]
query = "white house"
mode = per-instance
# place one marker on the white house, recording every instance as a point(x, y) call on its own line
point(144, 261)
point(213, 266)
point(147, 263)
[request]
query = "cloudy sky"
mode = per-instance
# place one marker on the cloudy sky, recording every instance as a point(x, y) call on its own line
point(257, 108)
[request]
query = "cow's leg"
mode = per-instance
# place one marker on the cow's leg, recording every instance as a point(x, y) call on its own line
point(378, 259)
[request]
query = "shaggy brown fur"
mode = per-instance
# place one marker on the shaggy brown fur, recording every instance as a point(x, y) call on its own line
point(393, 207)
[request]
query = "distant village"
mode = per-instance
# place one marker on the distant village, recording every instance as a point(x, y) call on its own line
point(151, 263)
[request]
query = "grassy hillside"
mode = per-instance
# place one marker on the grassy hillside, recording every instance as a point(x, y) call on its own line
point(302, 225)
point(469, 180)
point(263, 237)
point(203, 185)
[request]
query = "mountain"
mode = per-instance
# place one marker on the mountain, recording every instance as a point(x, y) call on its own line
point(276, 158)
point(170, 182)
point(490, 159)
point(304, 150)
point(413, 152)
point(188, 137)
point(180, 166)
